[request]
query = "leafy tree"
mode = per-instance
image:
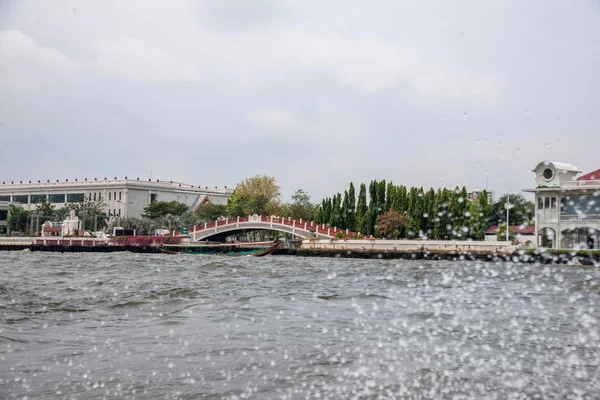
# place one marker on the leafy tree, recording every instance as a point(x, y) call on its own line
point(91, 212)
point(159, 209)
point(17, 218)
point(301, 207)
point(391, 224)
point(255, 195)
point(45, 208)
point(501, 234)
point(209, 212)
point(521, 213)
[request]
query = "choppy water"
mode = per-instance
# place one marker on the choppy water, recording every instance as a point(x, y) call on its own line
point(156, 326)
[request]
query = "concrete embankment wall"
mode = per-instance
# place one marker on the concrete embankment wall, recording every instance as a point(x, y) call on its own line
point(380, 245)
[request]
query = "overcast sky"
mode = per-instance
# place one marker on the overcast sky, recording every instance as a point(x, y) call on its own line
point(315, 93)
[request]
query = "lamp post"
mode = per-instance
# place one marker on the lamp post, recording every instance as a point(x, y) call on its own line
point(124, 209)
point(508, 206)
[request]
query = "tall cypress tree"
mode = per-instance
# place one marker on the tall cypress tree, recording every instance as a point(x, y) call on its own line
point(428, 212)
point(351, 219)
point(389, 197)
point(361, 208)
point(402, 199)
point(336, 211)
point(345, 211)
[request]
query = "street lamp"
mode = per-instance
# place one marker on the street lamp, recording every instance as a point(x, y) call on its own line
point(508, 206)
point(124, 209)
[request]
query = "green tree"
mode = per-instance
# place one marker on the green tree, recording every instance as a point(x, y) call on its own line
point(361, 208)
point(501, 234)
point(301, 206)
point(90, 212)
point(17, 218)
point(336, 211)
point(45, 208)
point(428, 212)
point(207, 213)
point(351, 212)
point(159, 209)
point(259, 194)
point(391, 223)
point(522, 212)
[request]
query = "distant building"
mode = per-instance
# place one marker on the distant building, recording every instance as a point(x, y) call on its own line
point(122, 197)
point(522, 233)
point(567, 208)
point(3, 217)
point(474, 195)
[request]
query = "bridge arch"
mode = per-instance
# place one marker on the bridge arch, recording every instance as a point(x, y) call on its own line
point(300, 228)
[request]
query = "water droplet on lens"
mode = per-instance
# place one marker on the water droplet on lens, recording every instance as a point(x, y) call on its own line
point(465, 115)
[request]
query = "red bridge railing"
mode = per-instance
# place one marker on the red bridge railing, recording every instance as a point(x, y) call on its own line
point(295, 223)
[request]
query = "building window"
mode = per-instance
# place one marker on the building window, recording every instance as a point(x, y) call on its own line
point(75, 197)
point(56, 198)
point(119, 212)
point(540, 203)
point(548, 174)
point(547, 203)
point(3, 215)
point(119, 195)
point(94, 196)
point(152, 198)
point(553, 203)
point(114, 212)
point(38, 198)
point(23, 199)
point(114, 195)
point(5, 198)
point(108, 196)
point(90, 197)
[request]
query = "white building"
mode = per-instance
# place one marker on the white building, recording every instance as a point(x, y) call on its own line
point(3, 216)
point(122, 197)
point(567, 208)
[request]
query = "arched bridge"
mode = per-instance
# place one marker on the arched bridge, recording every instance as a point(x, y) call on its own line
point(297, 227)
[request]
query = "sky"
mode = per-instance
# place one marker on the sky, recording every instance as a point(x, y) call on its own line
point(317, 94)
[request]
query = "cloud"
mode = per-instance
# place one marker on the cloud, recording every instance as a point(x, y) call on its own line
point(271, 119)
point(24, 63)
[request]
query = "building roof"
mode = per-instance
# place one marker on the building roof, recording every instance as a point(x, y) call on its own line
point(561, 166)
point(527, 230)
point(590, 176)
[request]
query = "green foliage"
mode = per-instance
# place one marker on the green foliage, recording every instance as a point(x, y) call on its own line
point(91, 212)
point(391, 224)
point(441, 214)
point(361, 208)
point(501, 234)
point(301, 207)
point(256, 195)
point(210, 212)
point(17, 218)
point(45, 209)
point(159, 209)
point(521, 214)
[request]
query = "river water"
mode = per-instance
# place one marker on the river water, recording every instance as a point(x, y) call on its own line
point(84, 326)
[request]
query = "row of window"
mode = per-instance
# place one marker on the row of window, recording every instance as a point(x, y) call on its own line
point(572, 205)
point(114, 213)
point(114, 196)
point(546, 203)
point(57, 198)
